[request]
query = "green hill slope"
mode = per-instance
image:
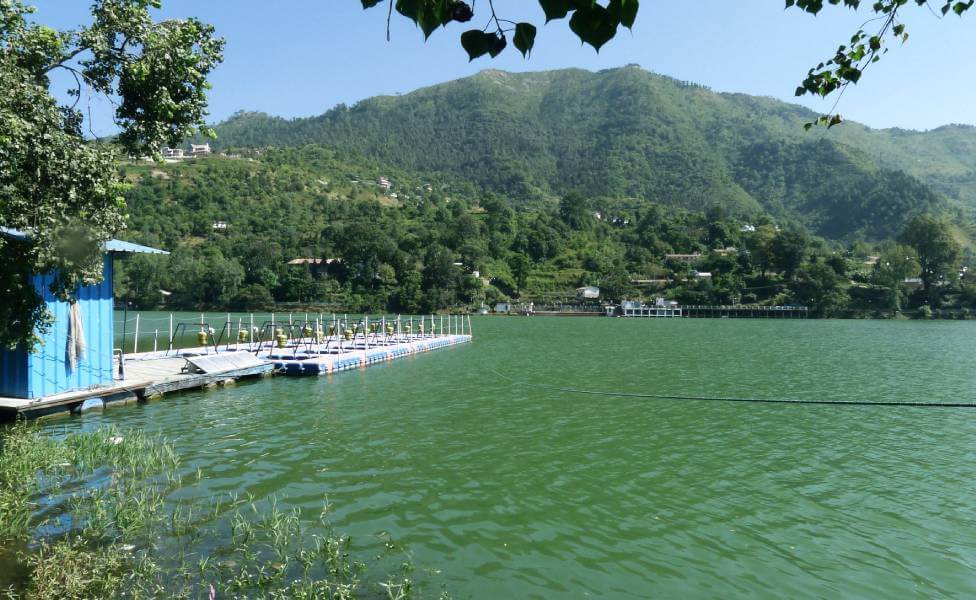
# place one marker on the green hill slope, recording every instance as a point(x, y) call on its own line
point(625, 133)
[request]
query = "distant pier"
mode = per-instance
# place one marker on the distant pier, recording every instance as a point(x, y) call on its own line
point(670, 309)
point(291, 347)
point(745, 311)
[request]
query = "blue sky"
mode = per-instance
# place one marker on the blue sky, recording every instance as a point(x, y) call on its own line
point(301, 57)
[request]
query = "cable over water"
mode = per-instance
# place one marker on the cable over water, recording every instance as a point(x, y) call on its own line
point(905, 403)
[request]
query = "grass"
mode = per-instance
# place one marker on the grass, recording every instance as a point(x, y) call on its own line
point(91, 515)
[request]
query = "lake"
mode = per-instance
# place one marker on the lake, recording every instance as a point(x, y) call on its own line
point(513, 491)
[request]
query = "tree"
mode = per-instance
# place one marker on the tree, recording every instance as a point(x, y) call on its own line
point(140, 281)
point(521, 267)
point(788, 248)
point(253, 297)
point(62, 190)
point(574, 210)
point(932, 241)
point(896, 263)
point(597, 23)
point(820, 286)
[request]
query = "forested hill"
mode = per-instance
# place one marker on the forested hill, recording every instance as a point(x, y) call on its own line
point(627, 133)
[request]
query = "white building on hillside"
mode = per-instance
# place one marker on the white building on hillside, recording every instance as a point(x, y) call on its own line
point(199, 149)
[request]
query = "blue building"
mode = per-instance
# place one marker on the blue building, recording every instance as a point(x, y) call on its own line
point(60, 364)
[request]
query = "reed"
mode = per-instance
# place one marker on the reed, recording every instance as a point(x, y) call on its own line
point(94, 516)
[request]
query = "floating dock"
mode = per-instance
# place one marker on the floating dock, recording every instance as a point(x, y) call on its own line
point(281, 349)
point(323, 359)
point(146, 378)
point(669, 309)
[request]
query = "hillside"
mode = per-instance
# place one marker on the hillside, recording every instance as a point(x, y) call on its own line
point(627, 133)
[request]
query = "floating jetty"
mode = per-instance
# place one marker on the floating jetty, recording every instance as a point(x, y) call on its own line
point(294, 348)
point(320, 359)
point(670, 309)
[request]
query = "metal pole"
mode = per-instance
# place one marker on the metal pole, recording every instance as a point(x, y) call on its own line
point(125, 321)
point(170, 330)
point(135, 340)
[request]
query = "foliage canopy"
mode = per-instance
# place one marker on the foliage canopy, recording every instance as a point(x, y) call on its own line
point(59, 188)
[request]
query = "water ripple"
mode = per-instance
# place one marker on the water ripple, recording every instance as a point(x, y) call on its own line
point(521, 492)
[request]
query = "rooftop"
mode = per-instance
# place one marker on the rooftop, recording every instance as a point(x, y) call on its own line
point(119, 246)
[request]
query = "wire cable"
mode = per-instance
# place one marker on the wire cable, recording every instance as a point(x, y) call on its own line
point(902, 403)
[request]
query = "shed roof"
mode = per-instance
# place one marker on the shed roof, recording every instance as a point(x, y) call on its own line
point(109, 246)
point(120, 246)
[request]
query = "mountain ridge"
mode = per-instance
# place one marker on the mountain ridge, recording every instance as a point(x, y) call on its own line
point(627, 132)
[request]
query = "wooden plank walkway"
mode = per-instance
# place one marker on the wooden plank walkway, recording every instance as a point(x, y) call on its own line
point(144, 379)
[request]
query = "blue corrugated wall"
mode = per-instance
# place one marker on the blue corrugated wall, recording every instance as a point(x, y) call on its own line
point(47, 371)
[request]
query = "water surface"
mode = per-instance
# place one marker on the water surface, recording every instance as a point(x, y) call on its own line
point(514, 491)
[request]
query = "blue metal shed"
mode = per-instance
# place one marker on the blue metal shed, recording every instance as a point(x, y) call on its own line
point(48, 370)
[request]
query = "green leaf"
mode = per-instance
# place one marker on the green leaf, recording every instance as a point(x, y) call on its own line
point(625, 11)
point(427, 14)
point(478, 43)
point(499, 44)
point(556, 9)
point(370, 3)
point(594, 25)
point(525, 38)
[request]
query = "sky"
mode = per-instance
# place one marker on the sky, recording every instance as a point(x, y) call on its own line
point(295, 58)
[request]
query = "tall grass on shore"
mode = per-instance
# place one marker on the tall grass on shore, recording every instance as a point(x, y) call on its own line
point(92, 515)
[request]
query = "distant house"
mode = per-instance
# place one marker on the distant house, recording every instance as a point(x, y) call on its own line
point(501, 307)
point(312, 261)
point(650, 281)
point(872, 260)
point(588, 292)
point(747, 228)
point(701, 274)
point(219, 226)
point(384, 184)
point(315, 265)
point(683, 257)
point(172, 153)
point(199, 149)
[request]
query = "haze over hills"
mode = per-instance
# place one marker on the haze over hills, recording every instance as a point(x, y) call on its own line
point(624, 133)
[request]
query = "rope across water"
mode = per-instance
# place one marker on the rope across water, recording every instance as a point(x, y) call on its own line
point(904, 403)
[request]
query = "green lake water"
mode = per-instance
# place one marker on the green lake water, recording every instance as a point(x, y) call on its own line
point(519, 492)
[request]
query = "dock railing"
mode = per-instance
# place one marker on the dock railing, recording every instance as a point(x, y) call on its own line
point(280, 332)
